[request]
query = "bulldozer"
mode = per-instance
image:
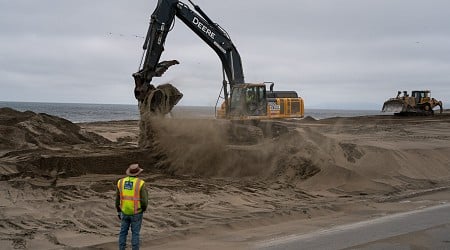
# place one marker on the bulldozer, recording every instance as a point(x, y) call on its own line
point(418, 103)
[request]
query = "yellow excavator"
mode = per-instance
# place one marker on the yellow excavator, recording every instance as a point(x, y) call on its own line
point(418, 103)
point(241, 101)
point(252, 102)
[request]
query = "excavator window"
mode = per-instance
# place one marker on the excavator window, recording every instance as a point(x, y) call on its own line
point(251, 95)
point(250, 100)
point(236, 95)
point(256, 100)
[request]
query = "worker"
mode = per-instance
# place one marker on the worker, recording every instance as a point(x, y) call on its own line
point(131, 203)
point(251, 96)
point(252, 102)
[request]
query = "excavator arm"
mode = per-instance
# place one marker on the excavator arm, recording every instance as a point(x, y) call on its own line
point(211, 33)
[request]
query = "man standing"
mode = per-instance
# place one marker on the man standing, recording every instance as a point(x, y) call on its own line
point(131, 202)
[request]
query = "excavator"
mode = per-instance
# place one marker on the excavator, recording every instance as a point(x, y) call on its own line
point(241, 101)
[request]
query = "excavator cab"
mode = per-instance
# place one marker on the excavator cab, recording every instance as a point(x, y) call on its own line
point(248, 100)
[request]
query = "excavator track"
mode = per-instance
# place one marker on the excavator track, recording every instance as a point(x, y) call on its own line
point(254, 131)
point(244, 134)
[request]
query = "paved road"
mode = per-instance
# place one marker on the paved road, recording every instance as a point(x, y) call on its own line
point(429, 227)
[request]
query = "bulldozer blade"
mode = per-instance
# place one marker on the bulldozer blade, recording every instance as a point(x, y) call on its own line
point(395, 106)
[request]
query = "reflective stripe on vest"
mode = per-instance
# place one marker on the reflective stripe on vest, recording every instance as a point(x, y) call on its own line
point(130, 204)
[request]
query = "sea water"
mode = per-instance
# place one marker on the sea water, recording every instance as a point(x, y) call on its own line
point(83, 112)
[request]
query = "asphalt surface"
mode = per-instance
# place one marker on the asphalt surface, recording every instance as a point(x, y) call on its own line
point(428, 228)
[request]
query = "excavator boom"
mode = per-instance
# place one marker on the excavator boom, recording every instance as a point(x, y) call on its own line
point(160, 24)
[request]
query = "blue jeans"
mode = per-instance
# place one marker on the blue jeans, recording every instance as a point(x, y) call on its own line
point(135, 221)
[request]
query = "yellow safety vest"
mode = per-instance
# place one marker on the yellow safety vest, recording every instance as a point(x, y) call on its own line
point(130, 195)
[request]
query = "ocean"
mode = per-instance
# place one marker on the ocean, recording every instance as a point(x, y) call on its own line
point(82, 112)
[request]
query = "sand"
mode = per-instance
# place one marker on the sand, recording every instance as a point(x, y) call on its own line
point(58, 178)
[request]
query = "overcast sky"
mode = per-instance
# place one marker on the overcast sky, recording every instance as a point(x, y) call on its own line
point(334, 53)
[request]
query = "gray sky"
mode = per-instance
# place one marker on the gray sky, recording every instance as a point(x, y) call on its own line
point(334, 53)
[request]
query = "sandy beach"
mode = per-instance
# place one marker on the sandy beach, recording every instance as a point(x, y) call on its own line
point(58, 178)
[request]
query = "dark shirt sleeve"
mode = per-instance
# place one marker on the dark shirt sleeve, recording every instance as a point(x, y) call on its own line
point(118, 200)
point(144, 198)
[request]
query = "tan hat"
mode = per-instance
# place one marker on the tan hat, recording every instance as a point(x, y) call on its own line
point(134, 170)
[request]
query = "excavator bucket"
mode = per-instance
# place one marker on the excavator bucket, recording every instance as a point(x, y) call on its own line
point(161, 100)
point(394, 105)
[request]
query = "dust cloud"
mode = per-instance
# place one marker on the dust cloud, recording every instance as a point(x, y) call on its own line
point(203, 147)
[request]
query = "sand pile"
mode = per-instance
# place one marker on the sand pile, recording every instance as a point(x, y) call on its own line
point(28, 130)
point(42, 145)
